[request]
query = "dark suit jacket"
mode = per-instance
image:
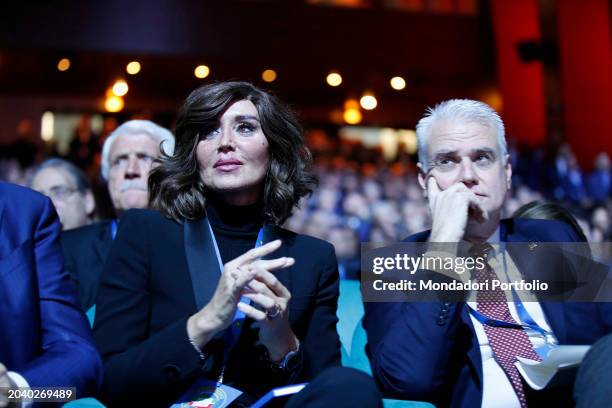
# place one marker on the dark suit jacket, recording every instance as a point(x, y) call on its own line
point(85, 251)
point(429, 350)
point(44, 335)
point(146, 296)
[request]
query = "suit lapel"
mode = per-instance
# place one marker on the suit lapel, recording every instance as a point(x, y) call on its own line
point(272, 233)
point(527, 262)
point(4, 247)
point(103, 242)
point(553, 311)
point(473, 352)
point(202, 260)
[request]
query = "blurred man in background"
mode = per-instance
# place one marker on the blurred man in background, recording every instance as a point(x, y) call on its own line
point(69, 190)
point(127, 157)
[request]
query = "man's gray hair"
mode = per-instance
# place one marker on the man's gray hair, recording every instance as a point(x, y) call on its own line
point(465, 110)
point(161, 135)
point(81, 181)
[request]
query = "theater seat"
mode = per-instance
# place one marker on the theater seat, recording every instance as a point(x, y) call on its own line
point(84, 403)
point(91, 314)
point(353, 337)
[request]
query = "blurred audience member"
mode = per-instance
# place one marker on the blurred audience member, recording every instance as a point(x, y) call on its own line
point(600, 218)
point(573, 181)
point(127, 157)
point(540, 210)
point(69, 190)
point(347, 248)
point(600, 180)
point(84, 144)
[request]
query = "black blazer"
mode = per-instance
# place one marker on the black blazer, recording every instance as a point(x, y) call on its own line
point(146, 296)
point(85, 251)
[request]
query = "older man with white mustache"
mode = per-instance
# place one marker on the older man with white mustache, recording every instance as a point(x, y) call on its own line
point(128, 155)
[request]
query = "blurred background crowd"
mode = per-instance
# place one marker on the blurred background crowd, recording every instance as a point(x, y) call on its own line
point(364, 198)
point(358, 72)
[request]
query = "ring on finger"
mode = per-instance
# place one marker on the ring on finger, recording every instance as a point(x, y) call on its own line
point(273, 312)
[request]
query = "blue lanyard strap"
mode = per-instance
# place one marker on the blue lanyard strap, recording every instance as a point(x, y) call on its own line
point(485, 320)
point(524, 316)
point(232, 333)
point(113, 229)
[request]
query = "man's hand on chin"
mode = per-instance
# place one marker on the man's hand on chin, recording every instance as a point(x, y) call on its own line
point(451, 209)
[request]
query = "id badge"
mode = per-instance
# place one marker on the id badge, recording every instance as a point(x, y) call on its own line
point(207, 394)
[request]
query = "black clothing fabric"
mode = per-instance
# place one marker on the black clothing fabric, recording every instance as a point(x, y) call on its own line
point(339, 387)
point(146, 296)
point(235, 228)
point(85, 251)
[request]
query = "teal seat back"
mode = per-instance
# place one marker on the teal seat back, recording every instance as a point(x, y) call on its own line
point(91, 314)
point(353, 337)
point(84, 403)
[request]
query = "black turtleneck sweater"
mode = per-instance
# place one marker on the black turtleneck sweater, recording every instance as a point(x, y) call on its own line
point(235, 227)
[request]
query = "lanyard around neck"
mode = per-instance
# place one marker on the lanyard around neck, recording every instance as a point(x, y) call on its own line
point(527, 321)
point(232, 333)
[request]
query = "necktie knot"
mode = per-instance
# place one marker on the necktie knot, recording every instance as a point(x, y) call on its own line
point(484, 250)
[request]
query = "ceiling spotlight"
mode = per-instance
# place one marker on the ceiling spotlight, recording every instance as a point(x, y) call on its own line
point(201, 71)
point(63, 64)
point(120, 88)
point(133, 68)
point(113, 104)
point(368, 102)
point(398, 83)
point(334, 79)
point(352, 116)
point(269, 75)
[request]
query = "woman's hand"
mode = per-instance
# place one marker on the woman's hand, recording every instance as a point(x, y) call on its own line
point(273, 321)
point(218, 314)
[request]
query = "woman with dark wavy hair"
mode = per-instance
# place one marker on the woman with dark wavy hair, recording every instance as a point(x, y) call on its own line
point(208, 288)
point(178, 186)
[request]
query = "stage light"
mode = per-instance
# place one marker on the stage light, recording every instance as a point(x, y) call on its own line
point(368, 102)
point(334, 79)
point(113, 104)
point(269, 75)
point(352, 116)
point(351, 104)
point(47, 125)
point(133, 68)
point(201, 71)
point(120, 88)
point(63, 64)
point(398, 83)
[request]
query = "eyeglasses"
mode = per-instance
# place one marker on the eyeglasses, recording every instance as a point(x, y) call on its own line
point(121, 162)
point(60, 193)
